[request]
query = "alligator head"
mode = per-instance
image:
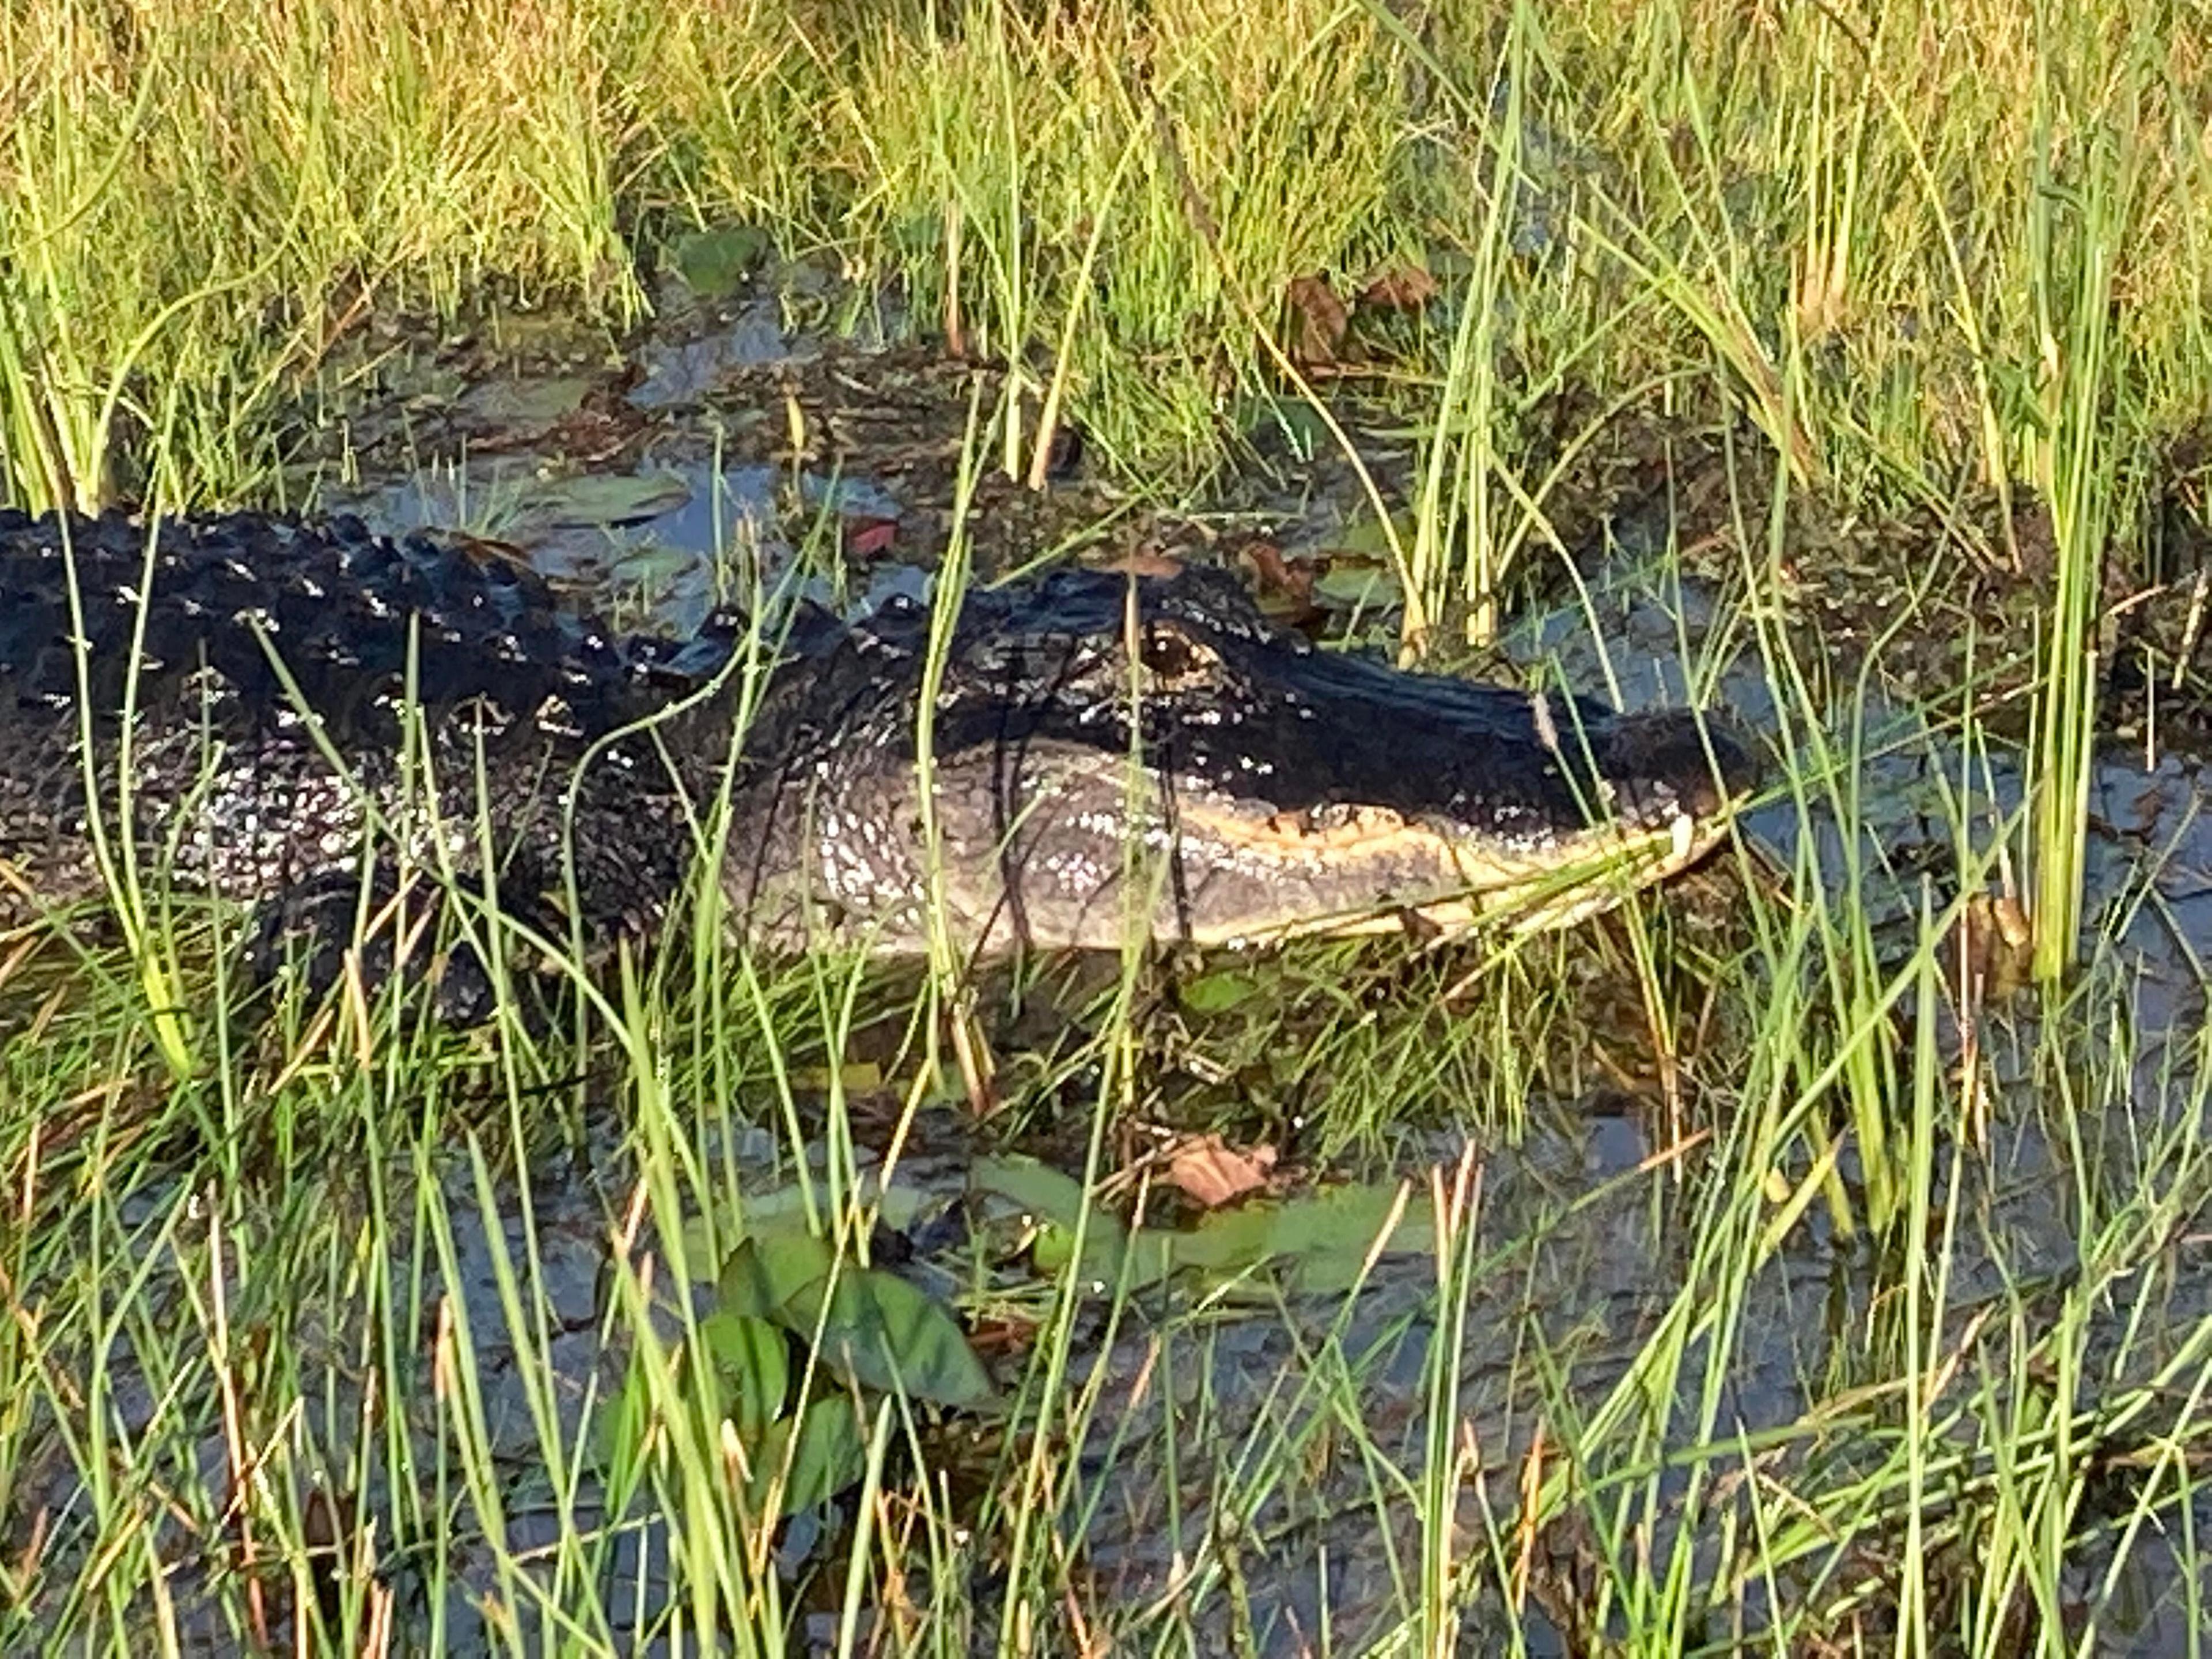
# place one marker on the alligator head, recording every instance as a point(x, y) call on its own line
point(1114, 759)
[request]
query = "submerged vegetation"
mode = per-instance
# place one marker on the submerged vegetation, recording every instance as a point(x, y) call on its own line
point(1809, 1260)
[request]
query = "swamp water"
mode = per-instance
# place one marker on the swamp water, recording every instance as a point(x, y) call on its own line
point(1250, 1465)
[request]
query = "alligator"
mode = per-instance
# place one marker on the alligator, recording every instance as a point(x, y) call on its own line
point(302, 715)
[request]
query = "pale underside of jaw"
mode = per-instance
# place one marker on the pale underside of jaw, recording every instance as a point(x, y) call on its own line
point(1569, 879)
point(1099, 866)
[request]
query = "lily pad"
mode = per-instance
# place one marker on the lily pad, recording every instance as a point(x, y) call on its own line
point(1218, 992)
point(1314, 1242)
point(527, 402)
point(1049, 1195)
point(779, 1213)
point(715, 263)
point(1053, 1203)
point(652, 568)
point(1358, 585)
point(600, 499)
point(1370, 538)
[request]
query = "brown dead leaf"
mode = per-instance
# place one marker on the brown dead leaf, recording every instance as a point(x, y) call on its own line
point(1212, 1172)
point(1284, 587)
point(1400, 288)
point(1996, 955)
point(870, 537)
point(1002, 1337)
point(1318, 321)
point(1273, 571)
point(1143, 561)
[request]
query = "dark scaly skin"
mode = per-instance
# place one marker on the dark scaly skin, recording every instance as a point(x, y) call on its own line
point(1231, 782)
point(231, 786)
point(232, 790)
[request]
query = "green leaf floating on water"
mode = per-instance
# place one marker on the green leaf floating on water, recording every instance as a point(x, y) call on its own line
point(528, 402)
point(873, 1326)
point(782, 1210)
point(832, 1453)
point(1053, 1204)
point(1313, 1242)
point(1046, 1193)
point(769, 1269)
point(593, 499)
point(891, 1335)
point(1218, 992)
point(1349, 586)
point(876, 1332)
point(1317, 1242)
point(715, 263)
point(752, 1362)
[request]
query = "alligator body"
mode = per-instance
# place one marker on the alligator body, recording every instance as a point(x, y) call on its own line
point(287, 713)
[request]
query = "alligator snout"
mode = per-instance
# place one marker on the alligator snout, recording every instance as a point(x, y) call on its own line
point(1675, 760)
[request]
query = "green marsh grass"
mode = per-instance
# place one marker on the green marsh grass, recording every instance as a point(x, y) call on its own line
point(403, 1338)
point(1116, 201)
point(339, 1335)
point(2083, 468)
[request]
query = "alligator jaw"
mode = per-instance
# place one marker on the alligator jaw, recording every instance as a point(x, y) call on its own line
point(1116, 759)
point(1096, 859)
point(1567, 882)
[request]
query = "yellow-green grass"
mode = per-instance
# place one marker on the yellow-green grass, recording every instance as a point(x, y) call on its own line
point(1845, 222)
point(1914, 251)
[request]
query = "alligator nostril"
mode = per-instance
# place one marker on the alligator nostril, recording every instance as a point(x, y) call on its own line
point(1740, 769)
point(1699, 797)
point(1670, 756)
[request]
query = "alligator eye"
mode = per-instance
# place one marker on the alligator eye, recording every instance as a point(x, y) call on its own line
point(1174, 656)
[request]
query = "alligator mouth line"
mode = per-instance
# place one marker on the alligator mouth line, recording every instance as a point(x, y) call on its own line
point(1451, 883)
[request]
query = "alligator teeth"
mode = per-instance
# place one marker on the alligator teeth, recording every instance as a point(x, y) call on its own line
point(1683, 834)
point(1337, 820)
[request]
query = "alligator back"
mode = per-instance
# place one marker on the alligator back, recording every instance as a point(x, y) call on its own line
point(355, 619)
point(220, 635)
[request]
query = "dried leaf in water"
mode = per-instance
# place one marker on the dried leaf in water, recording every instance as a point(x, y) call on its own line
point(1214, 1173)
point(1400, 288)
point(1318, 322)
